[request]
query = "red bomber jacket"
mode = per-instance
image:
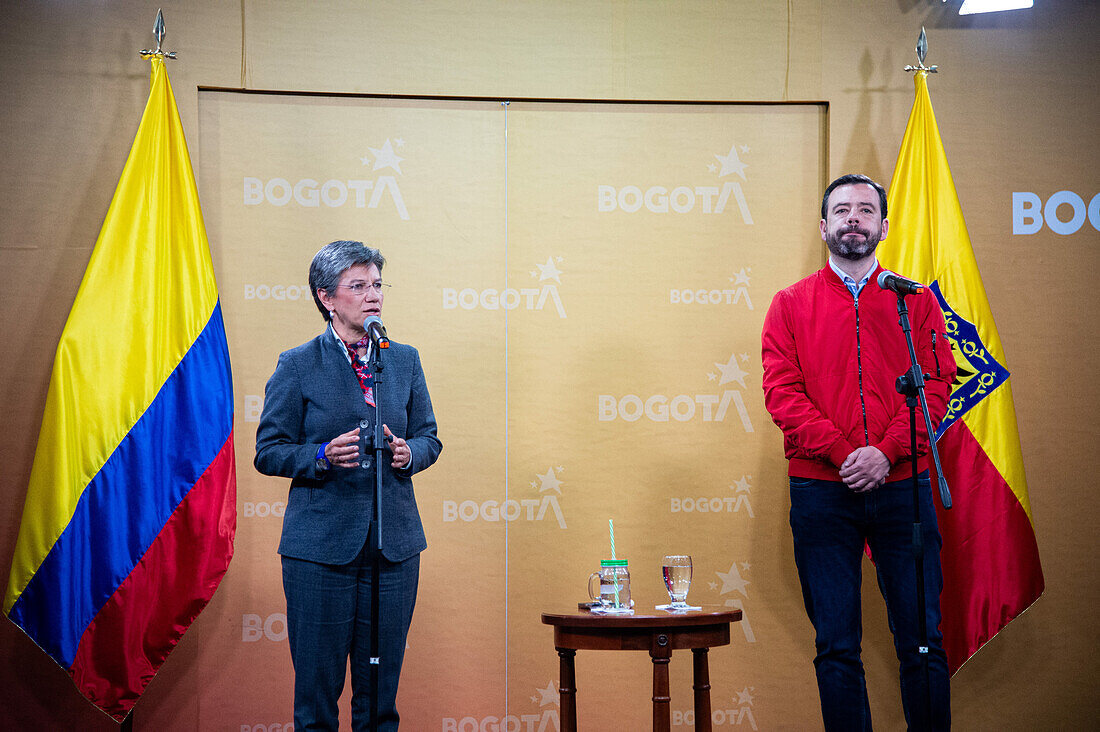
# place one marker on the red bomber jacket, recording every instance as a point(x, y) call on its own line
point(830, 366)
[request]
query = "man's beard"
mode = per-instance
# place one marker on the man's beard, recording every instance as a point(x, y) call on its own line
point(854, 249)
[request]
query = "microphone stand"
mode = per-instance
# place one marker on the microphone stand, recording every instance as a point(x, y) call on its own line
point(375, 532)
point(911, 386)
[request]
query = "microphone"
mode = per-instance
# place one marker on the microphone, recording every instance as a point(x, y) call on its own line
point(890, 281)
point(376, 331)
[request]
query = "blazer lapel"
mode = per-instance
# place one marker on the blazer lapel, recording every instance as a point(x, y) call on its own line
point(337, 371)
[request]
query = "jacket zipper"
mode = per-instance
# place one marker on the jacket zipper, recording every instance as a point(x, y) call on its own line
point(934, 356)
point(859, 365)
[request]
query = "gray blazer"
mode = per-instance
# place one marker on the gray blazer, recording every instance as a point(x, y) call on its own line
point(313, 397)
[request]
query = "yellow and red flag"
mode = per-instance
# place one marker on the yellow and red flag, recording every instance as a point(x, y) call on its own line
point(990, 558)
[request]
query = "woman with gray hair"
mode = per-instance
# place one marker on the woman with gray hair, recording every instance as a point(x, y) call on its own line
point(316, 428)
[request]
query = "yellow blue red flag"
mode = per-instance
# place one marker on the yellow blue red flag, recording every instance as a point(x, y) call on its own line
point(990, 558)
point(130, 513)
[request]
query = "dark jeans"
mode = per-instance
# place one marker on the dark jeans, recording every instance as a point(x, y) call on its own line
point(830, 524)
point(328, 620)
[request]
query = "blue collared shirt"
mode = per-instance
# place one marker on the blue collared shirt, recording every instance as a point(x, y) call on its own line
point(854, 287)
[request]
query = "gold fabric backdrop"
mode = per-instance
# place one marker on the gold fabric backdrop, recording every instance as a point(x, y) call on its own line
point(586, 285)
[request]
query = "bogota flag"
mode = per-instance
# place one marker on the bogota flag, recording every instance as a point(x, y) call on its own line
point(990, 559)
point(130, 514)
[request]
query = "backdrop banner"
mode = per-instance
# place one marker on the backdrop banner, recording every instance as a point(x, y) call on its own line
point(586, 284)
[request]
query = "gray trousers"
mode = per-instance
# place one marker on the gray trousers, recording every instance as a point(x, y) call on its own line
point(328, 609)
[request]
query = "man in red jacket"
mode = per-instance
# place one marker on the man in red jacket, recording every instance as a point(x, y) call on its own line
point(832, 350)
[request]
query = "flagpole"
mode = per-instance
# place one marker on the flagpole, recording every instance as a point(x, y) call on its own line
point(158, 33)
point(922, 51)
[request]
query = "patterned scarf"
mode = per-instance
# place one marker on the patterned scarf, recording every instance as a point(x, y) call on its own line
point(362, 370)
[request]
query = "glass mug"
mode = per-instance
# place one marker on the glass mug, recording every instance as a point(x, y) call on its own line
point(614, 584)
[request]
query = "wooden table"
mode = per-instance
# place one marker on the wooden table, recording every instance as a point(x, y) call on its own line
point(655, 631)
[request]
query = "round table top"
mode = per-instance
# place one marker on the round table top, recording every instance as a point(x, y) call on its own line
point(644, 617)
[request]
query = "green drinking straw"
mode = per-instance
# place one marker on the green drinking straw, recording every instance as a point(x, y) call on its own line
point(611, 528)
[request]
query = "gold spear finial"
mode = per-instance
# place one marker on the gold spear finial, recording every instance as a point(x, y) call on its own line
point(158, 33)
point(922, 51)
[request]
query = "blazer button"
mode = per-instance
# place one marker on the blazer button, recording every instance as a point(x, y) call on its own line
point(364, 424)
point(365, 465)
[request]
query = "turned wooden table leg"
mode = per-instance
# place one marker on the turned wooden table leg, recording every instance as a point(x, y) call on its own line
point(701, 684)
point(660, 650)
point(567, 686)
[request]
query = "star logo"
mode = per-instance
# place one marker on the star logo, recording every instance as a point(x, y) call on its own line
point(744, 697)
point(550, 695)
point(731, 164)
point(385, 157)
point(548, 271)
point(730, 371)
point(742, 277)
point(732, 581)
point(741, 486)
point(549, 482)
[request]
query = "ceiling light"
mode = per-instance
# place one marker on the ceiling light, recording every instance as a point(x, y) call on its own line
point(970, 7)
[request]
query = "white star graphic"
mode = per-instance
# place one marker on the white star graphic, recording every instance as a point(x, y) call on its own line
point(744, 148)
point(741, 486)
point(711, 376)
point(548, 271)
point(744, 697)
point(550, 695)
point(550, 482)
point(712, 167)
point(741, 278)
point(713, 585)
point(386, 157)
point(744, 358)
point(365, 160)
point(401, 142)
point(732, 581)
point(731, 164)
point(731, 372)
point(745, 566)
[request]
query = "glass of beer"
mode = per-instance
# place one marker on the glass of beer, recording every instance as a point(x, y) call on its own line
point(677, 571)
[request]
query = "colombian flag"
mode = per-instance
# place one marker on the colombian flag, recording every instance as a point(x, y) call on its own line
point(130, 514)
point(990, 559)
